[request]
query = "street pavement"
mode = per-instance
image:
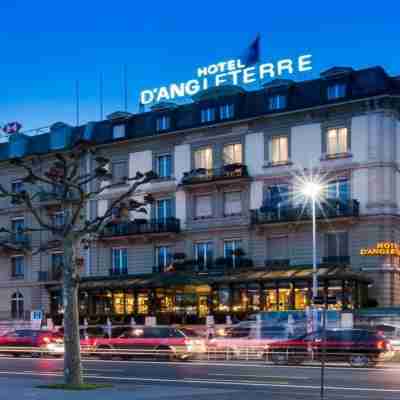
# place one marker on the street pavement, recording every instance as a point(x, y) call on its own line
point(198, 380)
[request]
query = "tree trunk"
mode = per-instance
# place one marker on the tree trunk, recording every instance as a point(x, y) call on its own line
point(72, 356)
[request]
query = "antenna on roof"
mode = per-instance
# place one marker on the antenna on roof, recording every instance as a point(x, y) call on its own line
point(77, 101)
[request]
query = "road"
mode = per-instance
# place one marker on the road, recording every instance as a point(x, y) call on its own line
point(238, 378)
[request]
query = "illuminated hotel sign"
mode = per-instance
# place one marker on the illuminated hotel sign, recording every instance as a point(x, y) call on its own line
point(382, 249)
point(227, 72)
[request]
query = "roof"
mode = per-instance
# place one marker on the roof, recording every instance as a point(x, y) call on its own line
point(362, 84)
point(170, 279)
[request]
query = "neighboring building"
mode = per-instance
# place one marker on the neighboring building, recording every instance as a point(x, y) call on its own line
point(226, 234)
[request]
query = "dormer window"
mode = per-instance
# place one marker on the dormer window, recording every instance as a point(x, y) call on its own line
point(226, 111)
point(207, 114)
point(163, 123)
point(118, 131)
point(336, 91)
point(277, 102)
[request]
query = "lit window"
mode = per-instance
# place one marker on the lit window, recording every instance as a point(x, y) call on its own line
point(277, 102)
point(118, 131)
point(203, 158)
point(163, 123)
point(203, 206)
point(337, 141)
point(163, 257)
point(164, 166)
point(232, 154)
point(226, 111)
point(338, 190)
point(207, 114)
point(336, 91)
point(203, 253)
point(279, 149)
point(232, 203)
point(164, 209)
point(17, 267)
point(119, 260)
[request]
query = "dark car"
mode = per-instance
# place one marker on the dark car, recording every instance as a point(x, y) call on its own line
point(161, 342)
point(32, 342)
point(359, 347)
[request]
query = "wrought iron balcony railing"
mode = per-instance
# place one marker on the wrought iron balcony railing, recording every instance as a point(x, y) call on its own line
point(118, 271)
point(330, 209)
point(140, 227)
point(336, 260)
point(199, 175)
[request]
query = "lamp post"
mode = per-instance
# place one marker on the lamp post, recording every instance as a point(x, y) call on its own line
point(312, 189)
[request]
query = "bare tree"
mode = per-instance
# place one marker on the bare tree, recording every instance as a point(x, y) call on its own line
point(63, 179)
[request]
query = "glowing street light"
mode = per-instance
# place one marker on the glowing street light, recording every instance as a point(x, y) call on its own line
point(312, 189)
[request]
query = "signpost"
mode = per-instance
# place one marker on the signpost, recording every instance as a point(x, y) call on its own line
point(36, 319)
point(324, 302)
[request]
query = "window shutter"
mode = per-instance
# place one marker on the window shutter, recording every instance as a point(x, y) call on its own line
point(278, 248)
point(203, 206)
point(233, 203)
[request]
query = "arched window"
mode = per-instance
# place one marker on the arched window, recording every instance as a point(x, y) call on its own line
point(17, 305)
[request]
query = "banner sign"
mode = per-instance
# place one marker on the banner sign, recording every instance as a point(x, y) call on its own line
point(233, 72)
point(382, 249)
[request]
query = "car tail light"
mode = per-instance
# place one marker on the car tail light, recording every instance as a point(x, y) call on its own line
point(381, 345)
point(46, 340)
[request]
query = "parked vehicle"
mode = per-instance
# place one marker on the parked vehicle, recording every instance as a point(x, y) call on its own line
point(31, 342)
point(391, 333)
point(88, 338)
point(359, 347)
point(160, 342)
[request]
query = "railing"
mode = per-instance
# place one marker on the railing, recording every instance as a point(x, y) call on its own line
point(118, 271)
point(51, 275)
point(206, 175)
point(336, 260)
point(17, 240)
point(139, 227)
point(330, 209)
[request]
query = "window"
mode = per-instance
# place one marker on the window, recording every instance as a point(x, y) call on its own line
point(203, 253)
point(163, 123)
point(17, 306)
point(277, 102)
point(119, 261)
point(118, 131)
point(226, 111)
point(203, 158)
point(17, 186)
point(336, 244)
point(279, 149)
point(163, 209)
point(207, 114)
point(232, 154)
point(232, 203)
point(231, 248)
point(17, 227)
point(338, 190)
point(203, 206)
point(336, 141)
point(58, 219)
point(119, 171)
point(277, 196)
point(336, 91)
point(278, 248)
point(164, 166)
point(163, 257)
point(17, 267)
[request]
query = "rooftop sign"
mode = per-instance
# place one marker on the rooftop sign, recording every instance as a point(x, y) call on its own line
point(227, 72)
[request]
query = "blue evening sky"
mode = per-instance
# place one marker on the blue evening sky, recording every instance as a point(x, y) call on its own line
point(48, 45)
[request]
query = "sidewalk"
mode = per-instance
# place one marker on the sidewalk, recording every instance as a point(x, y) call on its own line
point(26, 389)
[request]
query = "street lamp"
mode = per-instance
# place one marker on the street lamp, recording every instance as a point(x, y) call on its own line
point(312, 189)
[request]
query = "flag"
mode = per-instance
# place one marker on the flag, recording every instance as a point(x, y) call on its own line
point(252, 54)
point(12, 127)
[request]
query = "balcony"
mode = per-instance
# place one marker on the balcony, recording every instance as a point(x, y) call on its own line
point(141, 227)
point(203, 175)
point(15, 242)
point(118, 271)
point(336, 260)
point(331, 209)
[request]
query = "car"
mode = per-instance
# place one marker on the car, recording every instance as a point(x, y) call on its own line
point(247, 339)
point(391, 333)
point(160, 342)
point(88, 338)
point(31, 342)
point(358, 347)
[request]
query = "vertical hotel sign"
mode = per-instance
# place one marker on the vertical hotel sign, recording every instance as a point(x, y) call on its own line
point(382, 249)
point(233, 72)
